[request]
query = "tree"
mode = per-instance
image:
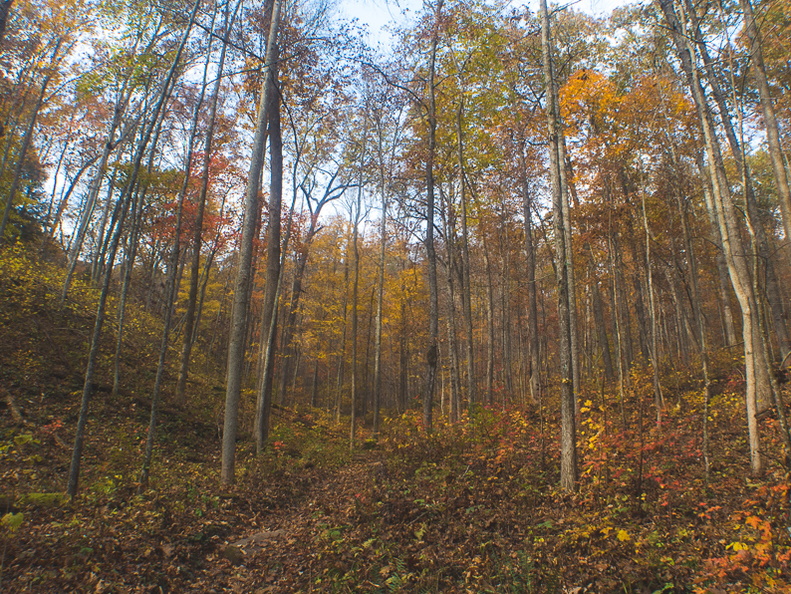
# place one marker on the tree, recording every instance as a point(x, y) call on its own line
point(119, 213)
point(568, 446)
point(722, 205)
point(244, 274)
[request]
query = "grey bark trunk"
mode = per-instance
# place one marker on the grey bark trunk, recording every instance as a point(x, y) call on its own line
point(568, 435)
point(244, 274)
point(192, 298)
point(121, 208)
point(432, 352)
point(273, 271)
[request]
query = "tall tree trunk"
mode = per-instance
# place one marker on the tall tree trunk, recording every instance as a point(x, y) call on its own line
point(489, 325)
point(273, 269)
point(466, 293)
point(568, 434)
point(767, 255)
point(534, 369)
point(244, 271)
point(567, 188)
point(601, 328)
point(127, 268)
point(723, 206)
point(453, 353)
point(192, 298)
point(432, 352)
point(621, 358)
point(355, 305)
point(342, 354)
point(770, 119)
point(659, 401)
point(403, 354)
point(171, 282)
point(724, 296)
point(380, 289)
point(121, 208)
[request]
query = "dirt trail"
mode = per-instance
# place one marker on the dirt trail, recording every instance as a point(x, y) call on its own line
point(281, 551)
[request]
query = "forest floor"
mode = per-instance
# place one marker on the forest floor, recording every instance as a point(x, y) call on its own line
point(472, 507)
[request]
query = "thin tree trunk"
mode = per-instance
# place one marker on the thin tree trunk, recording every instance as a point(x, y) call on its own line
point(342, 355)
point(355, 296)
point(659, 401)
point(27, 140)
point(770, 119)
point(489, 325)
point(601, 328)
point(403, 354)
point(534, 370)
point(380, 287)
point(466, 293)
point(192, 298)
point(767, 256)
point(121, 208)
point(567, 188)
point(432, 352)
point(453, 358)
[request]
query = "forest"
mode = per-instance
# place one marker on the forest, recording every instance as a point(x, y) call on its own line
point(495, 299)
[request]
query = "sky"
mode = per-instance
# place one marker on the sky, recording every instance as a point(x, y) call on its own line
point(378, 13)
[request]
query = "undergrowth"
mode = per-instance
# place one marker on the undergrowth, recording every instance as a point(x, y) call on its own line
point(471, 507)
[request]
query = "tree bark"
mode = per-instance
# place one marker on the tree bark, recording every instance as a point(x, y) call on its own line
point(192, 298)
point(121, 208)
point(568, 434)
point(432, 352)
point(244, 274)
point(273, 269)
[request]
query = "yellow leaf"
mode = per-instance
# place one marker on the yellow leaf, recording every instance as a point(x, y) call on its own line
point(623, 535)
point(738, 546)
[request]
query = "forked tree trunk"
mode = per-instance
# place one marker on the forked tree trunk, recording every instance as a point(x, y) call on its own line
point(273, 271)
point(244, 271)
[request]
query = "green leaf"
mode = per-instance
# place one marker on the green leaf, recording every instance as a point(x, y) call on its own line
point(12, 522)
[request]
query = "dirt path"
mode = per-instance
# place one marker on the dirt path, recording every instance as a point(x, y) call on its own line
point(285, 550)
